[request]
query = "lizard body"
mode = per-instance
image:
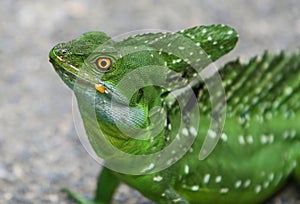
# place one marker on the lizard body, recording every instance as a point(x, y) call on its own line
point(258, 150)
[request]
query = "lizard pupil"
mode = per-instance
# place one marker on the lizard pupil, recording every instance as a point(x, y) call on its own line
point(103, 63)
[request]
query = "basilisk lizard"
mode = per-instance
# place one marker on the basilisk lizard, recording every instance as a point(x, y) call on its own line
point(259, 145)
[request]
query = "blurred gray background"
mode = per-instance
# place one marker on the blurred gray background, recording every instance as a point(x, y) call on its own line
point(39, 150)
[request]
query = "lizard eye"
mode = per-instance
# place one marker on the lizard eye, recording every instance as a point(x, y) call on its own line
point(103, 63)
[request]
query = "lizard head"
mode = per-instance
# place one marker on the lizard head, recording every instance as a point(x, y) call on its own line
point(99, 63)
point(93, 65)
point(69, 59)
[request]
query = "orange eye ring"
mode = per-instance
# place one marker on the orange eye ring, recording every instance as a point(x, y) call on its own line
point(103, 63)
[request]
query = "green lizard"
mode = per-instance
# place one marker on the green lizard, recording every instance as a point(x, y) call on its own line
point(259, 145)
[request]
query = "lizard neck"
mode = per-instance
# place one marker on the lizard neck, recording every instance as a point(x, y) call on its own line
point(130, 129)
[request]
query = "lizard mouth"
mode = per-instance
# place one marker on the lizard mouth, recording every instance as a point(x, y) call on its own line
point(65, 75)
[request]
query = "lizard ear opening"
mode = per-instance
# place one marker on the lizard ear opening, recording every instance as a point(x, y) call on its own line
point(103, 63)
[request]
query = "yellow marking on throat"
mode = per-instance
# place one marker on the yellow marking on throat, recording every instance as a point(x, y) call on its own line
point(100, 88)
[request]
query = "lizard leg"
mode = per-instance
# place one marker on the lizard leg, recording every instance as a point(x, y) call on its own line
point(106, 186)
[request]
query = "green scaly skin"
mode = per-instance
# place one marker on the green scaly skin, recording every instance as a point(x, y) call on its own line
point(260, 145)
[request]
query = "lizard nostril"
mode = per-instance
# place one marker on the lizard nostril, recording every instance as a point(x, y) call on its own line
point(60, 49)
point(64, 51)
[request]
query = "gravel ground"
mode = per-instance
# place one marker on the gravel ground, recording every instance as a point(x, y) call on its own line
point(40, 152)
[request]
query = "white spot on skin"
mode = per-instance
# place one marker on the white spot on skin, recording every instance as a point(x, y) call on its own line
point(175, 61)
point(250, 139)
point(169, 126)
point(241, 119)
point(247, 183)
point(157, 178)
point(193, 131)
point(294, 164)
point(257, 189)
point(169, 45)
point(230, 32)
point(254, 100)
point(266, 184)
point(293, 133)
point(288, 90)
point(285, 134)
point(212, 134)
point(195, 188)
point(271, 139)
point(170, 161)
point(263, 139)
point(271, 176)
point(150, 167)
point(176, 200)
point(224, 190)
point(186, 169)
point(191, 53)
point(218, 179)
point(238, 184)
point(224, 137)
point(209, 38)
point(242, 140)
point(206, 178)
point(185, 132)
point(204, 31)
point(181, 48)
point(160, 51)
point(151, 139)
point(215, 42)
point(198, 44)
